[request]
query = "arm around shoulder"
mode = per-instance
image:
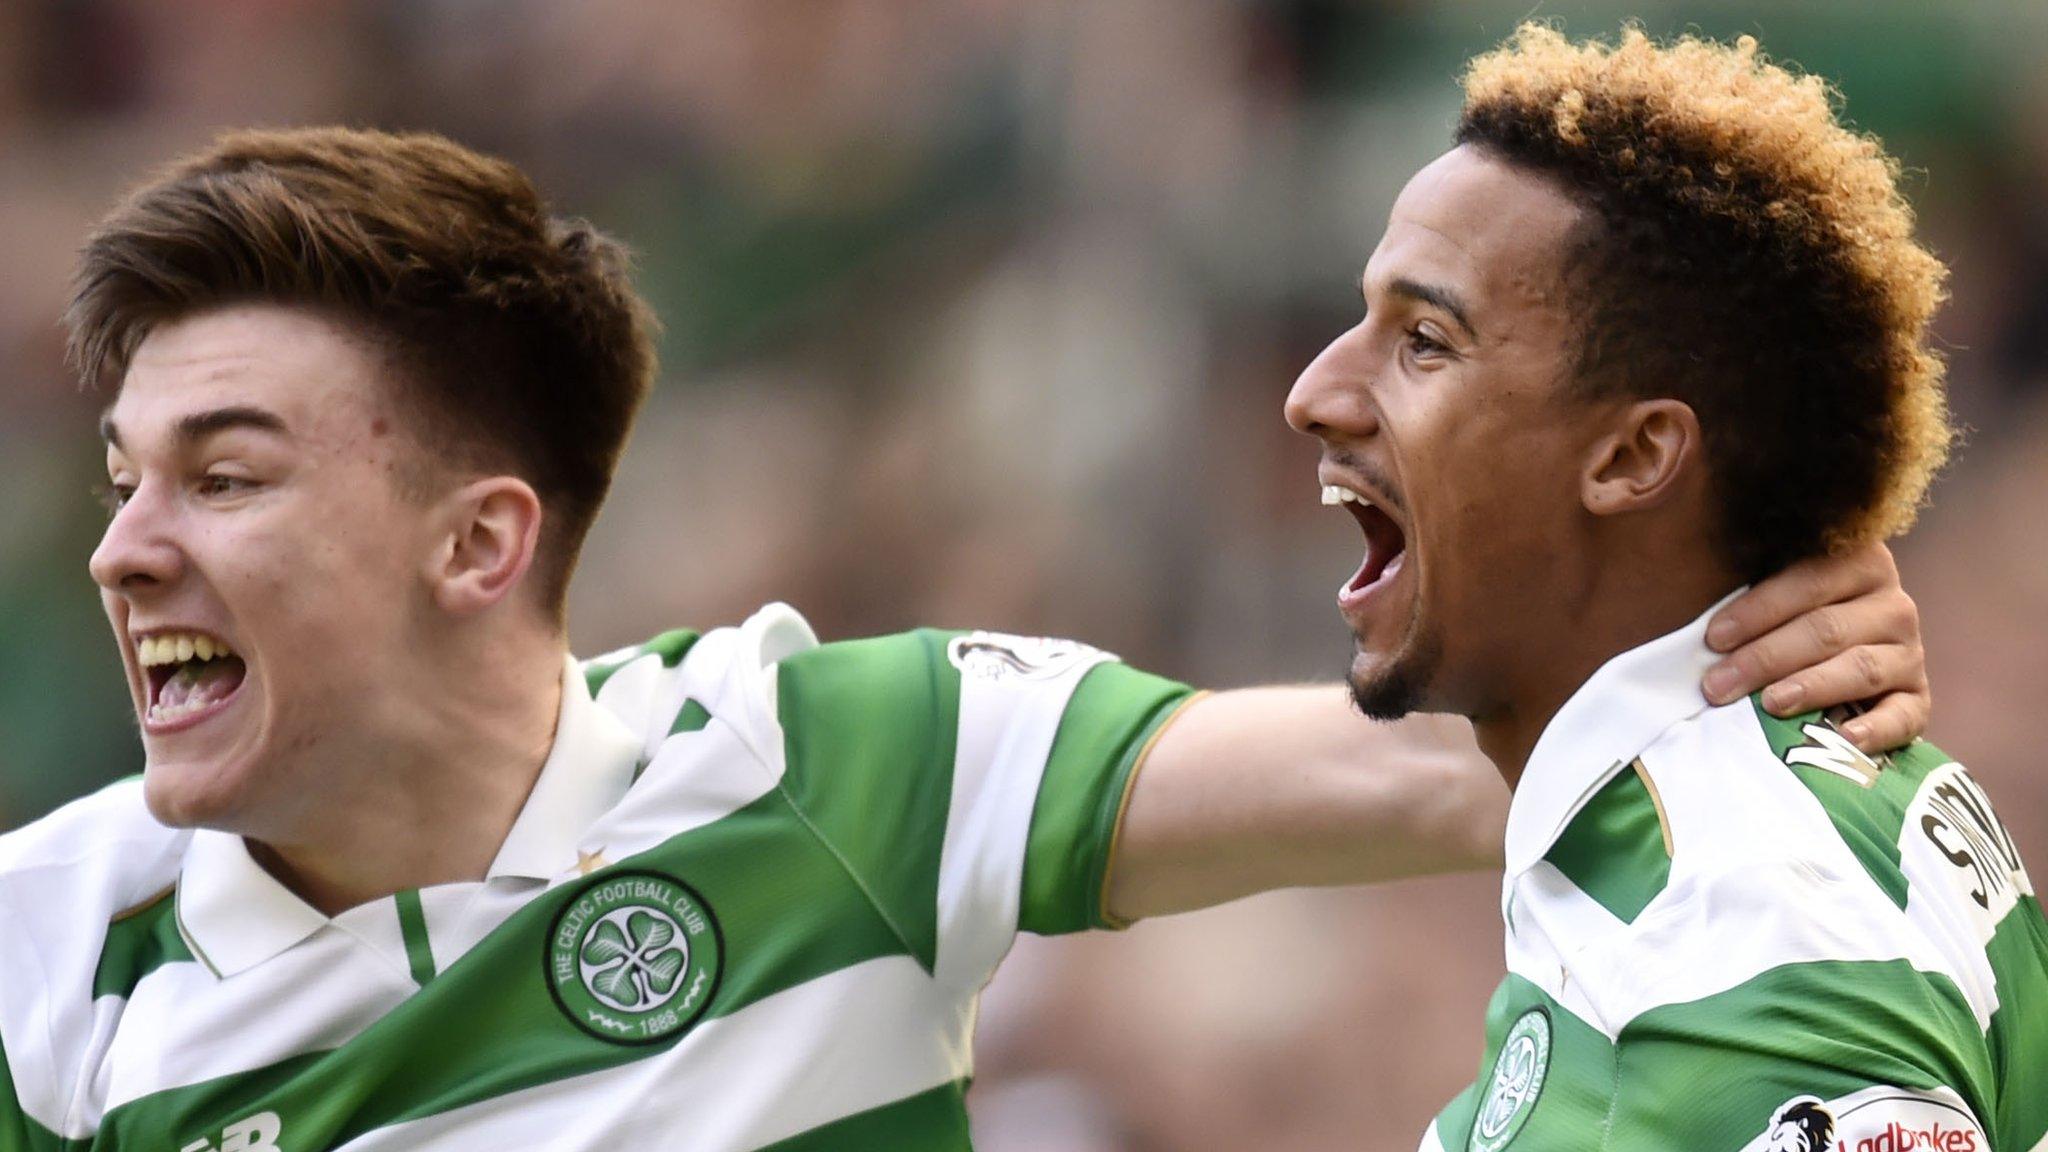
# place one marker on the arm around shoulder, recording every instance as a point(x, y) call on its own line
point(1262, 788)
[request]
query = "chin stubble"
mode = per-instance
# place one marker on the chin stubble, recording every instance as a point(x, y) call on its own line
point(1400, 689)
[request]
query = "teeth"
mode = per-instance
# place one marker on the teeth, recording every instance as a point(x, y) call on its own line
point(161, 714)
point(177, 648)
point(1332, 494)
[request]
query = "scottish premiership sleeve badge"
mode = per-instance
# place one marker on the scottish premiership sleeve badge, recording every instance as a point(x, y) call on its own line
point(634, 958)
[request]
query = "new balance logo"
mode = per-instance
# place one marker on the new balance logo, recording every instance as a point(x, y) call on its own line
point(258, 1133)
point(1830, 751)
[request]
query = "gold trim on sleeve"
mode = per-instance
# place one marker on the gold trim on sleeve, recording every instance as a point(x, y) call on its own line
point(1657, 802)
point(1116, 833)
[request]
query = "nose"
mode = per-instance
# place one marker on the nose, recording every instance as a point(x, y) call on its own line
point(137, 552)
point(1332, 398)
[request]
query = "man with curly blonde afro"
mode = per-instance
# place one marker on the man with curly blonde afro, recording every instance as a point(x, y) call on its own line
point(1653, 330)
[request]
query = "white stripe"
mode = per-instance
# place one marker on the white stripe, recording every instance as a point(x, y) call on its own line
point(1431, 1141)
point(1718, 933)
point(841, 1044)
point(744, 690)
point(1894, 1119)
point(183, 1026)
point(40, 1030)
point(645, 695)
point(1942, 894)
point(1007, 725)
point(1551, 915)
point(1759, 879)
point(697, 778)
point(62, 879)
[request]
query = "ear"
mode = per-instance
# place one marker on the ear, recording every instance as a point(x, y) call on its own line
point(1638, 464)
point(493, 530)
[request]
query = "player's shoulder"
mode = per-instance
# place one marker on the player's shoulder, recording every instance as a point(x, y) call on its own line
point(1747, 789)
point(774, 683)
point(1785, 823)
point(769, 679)
point(105, 838)
point(674, 681)
point(67, 878)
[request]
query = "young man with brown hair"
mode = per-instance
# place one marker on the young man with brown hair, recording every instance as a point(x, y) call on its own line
point(400, 873)
point(1691, 303)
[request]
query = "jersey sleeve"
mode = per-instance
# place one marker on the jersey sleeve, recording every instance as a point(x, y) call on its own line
point(971, 781)
point(17, 1128)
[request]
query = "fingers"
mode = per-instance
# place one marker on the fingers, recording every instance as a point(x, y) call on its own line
point(1868, 672)
point(1892, 676)
point(1801, 588)
point(1885, 619)
point(1894, 722)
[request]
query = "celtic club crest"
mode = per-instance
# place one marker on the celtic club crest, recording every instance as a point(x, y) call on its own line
point(1518, 1074)
point(634, 957)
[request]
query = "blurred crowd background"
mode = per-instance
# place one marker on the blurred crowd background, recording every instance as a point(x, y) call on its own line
point(980, 313)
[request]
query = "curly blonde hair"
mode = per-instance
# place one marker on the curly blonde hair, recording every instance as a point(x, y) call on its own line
point(1747, 253)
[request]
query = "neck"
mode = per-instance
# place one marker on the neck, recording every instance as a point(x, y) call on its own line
point(1632, 612)
point(433, 800)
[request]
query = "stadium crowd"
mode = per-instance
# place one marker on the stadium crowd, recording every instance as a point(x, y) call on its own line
point(980, 313)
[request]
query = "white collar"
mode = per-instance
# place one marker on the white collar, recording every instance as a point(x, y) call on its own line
point(1619, 711)
point(235, 915)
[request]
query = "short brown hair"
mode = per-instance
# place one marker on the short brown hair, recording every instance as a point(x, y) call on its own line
point(518, 339)
point(1748, 254)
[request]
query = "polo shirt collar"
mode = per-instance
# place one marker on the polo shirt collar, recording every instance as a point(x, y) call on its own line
point(235, 915)
point(586, 774)
point(1619, 711)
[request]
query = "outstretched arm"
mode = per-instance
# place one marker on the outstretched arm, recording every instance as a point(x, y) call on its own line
point(1285, 787)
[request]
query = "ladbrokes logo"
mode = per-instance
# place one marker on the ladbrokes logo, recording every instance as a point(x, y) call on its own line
point(1880, 1119)
point(1935, 1137)
point(1801, 1125)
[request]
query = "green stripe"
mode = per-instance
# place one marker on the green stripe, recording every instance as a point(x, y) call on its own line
point(412, 924)
point(1710, 1073)
point(868, 729)
point(2019, 1029)
point(138, 944)
point(1110, 720)
point(787, 911)
point(1824, 1028)
point(670, 646)
point(1867, 819)
point(1613, 850)
point(693, 717)
point(932, 1121)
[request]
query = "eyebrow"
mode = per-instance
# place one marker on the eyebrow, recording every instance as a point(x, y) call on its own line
point(197, 426)
point(1442, 298)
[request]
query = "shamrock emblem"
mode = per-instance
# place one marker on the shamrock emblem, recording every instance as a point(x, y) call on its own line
point(634, 966)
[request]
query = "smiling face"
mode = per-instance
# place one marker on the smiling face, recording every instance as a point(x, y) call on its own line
point(258, 512)
point(1449, 430)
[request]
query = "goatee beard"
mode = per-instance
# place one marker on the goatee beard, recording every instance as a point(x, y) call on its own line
point(1401, 689)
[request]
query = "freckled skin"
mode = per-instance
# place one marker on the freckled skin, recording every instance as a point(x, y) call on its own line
point(309, 568)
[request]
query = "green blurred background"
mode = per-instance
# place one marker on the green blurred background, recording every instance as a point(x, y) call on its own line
point(980, 312)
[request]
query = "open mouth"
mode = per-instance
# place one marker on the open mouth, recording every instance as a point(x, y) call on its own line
point(189, 677)
point(1386, 545)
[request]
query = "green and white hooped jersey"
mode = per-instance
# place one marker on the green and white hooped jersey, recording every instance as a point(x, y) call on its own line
point(750, 904)
point(1732, 933)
